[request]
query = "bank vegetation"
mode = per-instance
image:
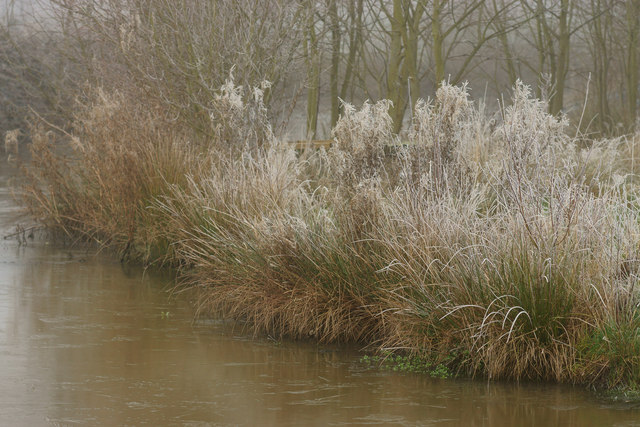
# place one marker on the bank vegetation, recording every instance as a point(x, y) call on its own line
point(502, 243)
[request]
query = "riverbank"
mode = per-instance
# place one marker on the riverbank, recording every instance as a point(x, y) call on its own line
point(491, 245)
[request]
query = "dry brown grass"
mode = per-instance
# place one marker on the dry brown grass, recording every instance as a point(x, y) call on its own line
point(121, 155)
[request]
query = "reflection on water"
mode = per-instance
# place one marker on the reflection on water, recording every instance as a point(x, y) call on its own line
point(85, 342)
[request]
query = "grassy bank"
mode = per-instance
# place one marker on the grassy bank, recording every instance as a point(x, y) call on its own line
point(491, 245)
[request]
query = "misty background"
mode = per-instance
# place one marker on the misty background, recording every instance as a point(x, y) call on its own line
point(580, 56)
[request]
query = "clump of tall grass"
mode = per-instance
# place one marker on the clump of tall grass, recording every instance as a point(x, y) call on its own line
point(513, 273)
point(119, 157)
point(263, 244)
point(122, 154)
point(494, 244)
point(261, 248)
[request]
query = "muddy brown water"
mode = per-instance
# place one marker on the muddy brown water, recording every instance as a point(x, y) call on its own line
point(85, 341)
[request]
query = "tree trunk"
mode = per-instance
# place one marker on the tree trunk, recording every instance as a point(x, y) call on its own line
point(394, 76)
point(633, 12)
point(410, 65)
point(335, 61)
point(355, 42)
point(560, 68)
point(438, 42)
point(313, 75)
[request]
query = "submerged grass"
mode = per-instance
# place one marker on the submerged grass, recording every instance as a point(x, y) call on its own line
point(493, 246)
point(408, 364)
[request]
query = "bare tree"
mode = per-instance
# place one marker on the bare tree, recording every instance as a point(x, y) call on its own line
point(598, 39)
point(553, 22)
point(631, 71)
point(312, 60)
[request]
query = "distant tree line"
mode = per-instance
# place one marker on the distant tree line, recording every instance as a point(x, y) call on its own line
point(581, 56)
point(404, 49)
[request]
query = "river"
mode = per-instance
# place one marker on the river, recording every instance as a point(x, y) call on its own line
point(87, 341)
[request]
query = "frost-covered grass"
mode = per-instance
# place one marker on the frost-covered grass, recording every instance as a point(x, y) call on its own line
point(491, 245)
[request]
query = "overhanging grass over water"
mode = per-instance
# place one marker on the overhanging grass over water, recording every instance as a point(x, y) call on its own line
point(496, 246)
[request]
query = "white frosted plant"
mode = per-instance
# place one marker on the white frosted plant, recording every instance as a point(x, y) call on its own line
point(438, 125)
point(360, 136)
point(534, 141)
point(357, 165)
point(611, 162)
point(240, 120)
point(431, 155)
point(231, 95)
point(538, 176)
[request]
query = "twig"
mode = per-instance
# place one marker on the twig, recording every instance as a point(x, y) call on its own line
point(22, 231)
